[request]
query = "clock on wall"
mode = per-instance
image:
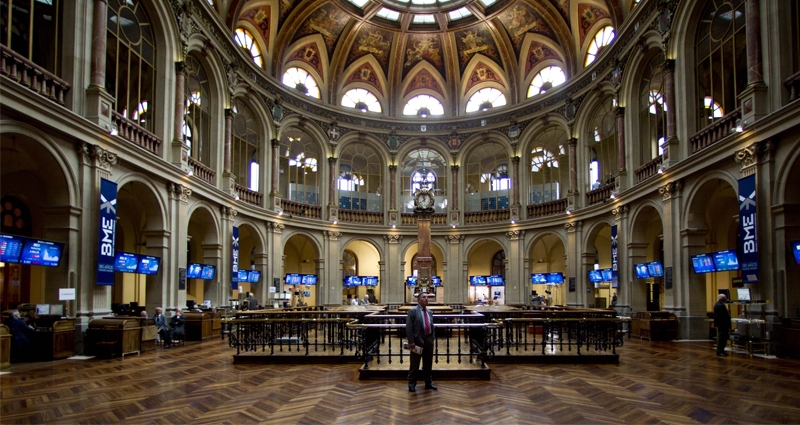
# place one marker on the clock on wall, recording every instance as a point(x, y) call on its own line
point(423, 199)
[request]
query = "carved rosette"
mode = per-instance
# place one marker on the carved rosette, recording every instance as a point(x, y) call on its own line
point(620, 212)
point(671, 190)
point(515, 235)
point(98, 157)
point(393, 238)
point(455, 239)
point(332, 235)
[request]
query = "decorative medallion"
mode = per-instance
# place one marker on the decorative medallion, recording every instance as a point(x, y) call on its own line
point(259, 17)
point(481, 74)
point(310, 55)
point(423, 80)
point(588, 15)
point(365, 74)
point(538, 52)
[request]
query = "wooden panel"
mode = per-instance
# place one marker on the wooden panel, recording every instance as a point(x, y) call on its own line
point(5, 346)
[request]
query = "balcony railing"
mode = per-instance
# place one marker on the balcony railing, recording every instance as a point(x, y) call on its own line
point(488, 216)
point(793, 84)
point(437, 219)
point(559, 206)
point(360, 217)
point(201, 171)
point(28, 74)
point(249, 196)
point(600, 194)
point(301, 210)
point(648, 170)
point(133, 132)
point(715, 132)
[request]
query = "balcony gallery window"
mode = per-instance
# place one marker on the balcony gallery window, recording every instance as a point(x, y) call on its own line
point(35, 30)
point(549, 166)
point(197, 115)
point(301, 80)
point(546, 79)
point(652, 111)
point(245, 40)
point(420, 167)
point(361, 99)
point(602, 144)
point(603, 38)
point(423, 106)
point(359, 181)
point(485, 99)
point(299, 167)
point(488, 178)
point(245, 147)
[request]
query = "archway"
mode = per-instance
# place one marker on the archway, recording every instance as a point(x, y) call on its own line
point(547, 255)
point(646, 246)
point(486, 258)
point(437, 269)
point(361, 258)
point(204, 247)
point(596, 257)
point(252, 257)
point(300, 256)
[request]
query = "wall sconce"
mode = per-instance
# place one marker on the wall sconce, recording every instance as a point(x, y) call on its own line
point(513, 221)
point(568, 211)
point(190, 173)
point(613, 195)
point(280, 211)
point(236, 197)
point(394, 226)
point(335, 221)
point(661, 169)
point(739, 126)
point(453, 225)
point(112, 129)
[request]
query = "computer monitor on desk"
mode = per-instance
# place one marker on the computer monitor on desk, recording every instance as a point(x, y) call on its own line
point(727, 293)
point(743, 294)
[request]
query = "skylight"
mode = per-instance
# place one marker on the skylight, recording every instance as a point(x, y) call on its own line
point(488, 3)
point(388, 14)
point(359, 3)
point(459, 13)
point(424, 19)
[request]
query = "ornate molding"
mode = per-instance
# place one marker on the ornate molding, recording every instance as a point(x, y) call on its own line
point(620, 212)
point(180, 191)
point(671, 190)
point(98, 156)
point(748, 158)
point(455, 239)
point(573, 226)
point(515, 235)
point(274, 227)
point(393, 238)
point(228, 212)
point(332, 235)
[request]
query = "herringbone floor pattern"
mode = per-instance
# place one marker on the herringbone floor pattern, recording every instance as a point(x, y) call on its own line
point(655, 382)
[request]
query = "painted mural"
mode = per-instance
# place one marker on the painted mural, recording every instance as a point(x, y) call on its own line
point(588, 15)
point(521, 19)
point(285, 7)
point(423, 80)
point(365, 74)
point(310, 55)
point(427, 47)
point(374, 41)
point(474, 40)
point(259, 17)
point(563, 9)
point(328, 21)
point(481, 74)
point(538, 52)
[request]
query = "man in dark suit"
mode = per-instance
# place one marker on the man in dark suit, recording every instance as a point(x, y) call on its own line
point(420, 333)
point(161, 325)
point(176, 327)
point(23, 333)
point(722, 321)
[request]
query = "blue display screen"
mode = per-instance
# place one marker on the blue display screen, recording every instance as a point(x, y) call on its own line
point(726, 260)
point(436, 280)
point(10, 248)
point(494, 280)
point(42, 253)
point(194, 271)
point(352, 281)
point(641, 271)
point(655, 269)
point(555, 277)
point(241, 276)
point(148, 264)
point(595, 276)
point(538, 278)
point(208, 272)
point(411, 281)
point(796, 250)
point(703, 263)
point(477, 280)
point(308, 279)
point(608, 276)
point(126, 262)
point(254, 276)
point(293, 279)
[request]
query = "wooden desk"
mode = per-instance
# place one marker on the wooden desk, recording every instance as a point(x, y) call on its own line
point(112, 336)
point(5, 346)
point(54, 338)
point(199, 326)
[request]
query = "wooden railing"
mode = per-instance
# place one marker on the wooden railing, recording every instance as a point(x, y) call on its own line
point(793, 84)
point(24, 72)
point(489, 216)
point(301, 210)
point(716, 131)
point(132, 132)
point(437, 219)
point(559, 206)
point(249, 196)
point(648, 170)
point(360, 217)
point(600, 194)
point(201, 171)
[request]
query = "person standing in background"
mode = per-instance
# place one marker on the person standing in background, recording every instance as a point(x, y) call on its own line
point(722, 321)
point(420, 334)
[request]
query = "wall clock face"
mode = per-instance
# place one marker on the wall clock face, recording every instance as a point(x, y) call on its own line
point(424, 199)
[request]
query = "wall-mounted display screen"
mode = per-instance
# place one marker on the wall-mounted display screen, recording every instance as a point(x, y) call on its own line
point(411, 281)
point(703, 263)
point(538, 278)
point(254, 276)
point(555, 277)
point(208, 272)
point(293, 279)
point(38, 252)
point(726, 261)
point(352, 281)
point(641, 271)
point(308, 279)
point(126, 262)
point(241, 276)
point(495, 280)
point(743, 294)
point(655, 269)
point(194, 271)
point(477, 280)
point(607, 274)
point(796, 251)
point(148, 264)
point(436, 280)
point(10, 248)
point(595, 276)
point(307, 293)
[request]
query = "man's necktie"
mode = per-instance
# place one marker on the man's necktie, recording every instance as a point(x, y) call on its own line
point(427, 324)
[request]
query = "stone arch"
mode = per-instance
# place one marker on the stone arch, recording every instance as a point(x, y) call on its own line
point(311, 46)
point(502, 84)
point(408, 93)
point(380, 92)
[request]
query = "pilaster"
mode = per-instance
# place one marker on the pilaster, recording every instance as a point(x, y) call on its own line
point(516, 291)
point(393, 289)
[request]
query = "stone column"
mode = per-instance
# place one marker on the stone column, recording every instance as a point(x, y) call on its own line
point(454, 186)
point(623, 272)
point(393, 187)
point(180, 151)
point(275, 179)
point(689, 296)
point(672, 204)
point(573, 197)
point(261, 289)
point(573, 270)
point(670, 145)
point(621, 181)
point(456, 289)
point(228, 179)
point(333, 275)
point(332, 181)
point(516, 288)
point(753, 98)
point(178, 220)
point(99, 103)
point(393, 288)
point(515, 180)
point(156, 287)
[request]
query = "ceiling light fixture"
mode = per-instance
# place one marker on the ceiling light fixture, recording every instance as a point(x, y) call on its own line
point(423, 112)
point(485, 106)
point(361, 106)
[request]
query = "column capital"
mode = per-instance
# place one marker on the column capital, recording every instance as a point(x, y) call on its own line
point(455, 239)
point(229, 113)
point(573, 141)
point(228, 213)
point(454, 168)
point(620, 212)
point(515, 235)
point(671, 190)
point(515, 160)
point(748, 157)
point(393, 239)
point(98, 157)
point(332, 160)
point(573, 226)
point(332, 235)
point(181, 192)
point(393, 168)
point(619, 111)
point(275, 227)
point(668, 65)
point(180, 67)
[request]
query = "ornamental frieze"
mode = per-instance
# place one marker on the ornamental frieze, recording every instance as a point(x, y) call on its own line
point(393, 239)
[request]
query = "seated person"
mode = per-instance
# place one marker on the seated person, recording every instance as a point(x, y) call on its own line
point(161, 325)
point(354, 300)
point(176, 327)
point(143, 314)
point(22, 333)
point(365, 300)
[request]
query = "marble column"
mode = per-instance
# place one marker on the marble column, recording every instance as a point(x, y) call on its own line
point(753, 33)
point(180, 151)
point(670, 146)
point(98, 102)
point(619, 112)
point(515, 179)
point(332, 181)
point(454, 186)
point(276, 168)
point(393, 187)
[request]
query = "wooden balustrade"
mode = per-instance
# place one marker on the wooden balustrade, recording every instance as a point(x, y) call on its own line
point(249, 196)
point(201, 171)
point(34, 77)
point(793, 84)
point(715, 132)
point(301, 210)
point(135, 133)
point(488, 216)
point(437, 219)
point(360, 217)
point(648, 170)
point(559, 206)
point(600, 194)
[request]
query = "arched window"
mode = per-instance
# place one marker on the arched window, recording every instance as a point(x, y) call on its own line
point(423, 105)
point(546, 79)
point(362, 100)
point(130, 62)
point(485, 99)
point(488, 179)
point(34, 32)
point(302, 81)
point(349, 264)
point(245, 40)
point(721, 58)
point(424, 165)
point(652, 111)
point(359, 181)
point(602, 145)
point(245, 152)
point(299, 167)
point(603, 38)
point(796, 32)
point(197, 116)
point(549, 172)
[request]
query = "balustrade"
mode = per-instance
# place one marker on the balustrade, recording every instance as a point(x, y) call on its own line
point(600, 194)
point(793, 84)
point(715, 132)
point(437, 219)
point(360, 217)
point(133, 132)
point(649, 169)
point(201, 171)
point(488, 216)
point(301, 210)
point(249, 196)
point(32, 76)
point(559, 206)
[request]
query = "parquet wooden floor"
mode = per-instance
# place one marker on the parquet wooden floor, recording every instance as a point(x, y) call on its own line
point(655, 382)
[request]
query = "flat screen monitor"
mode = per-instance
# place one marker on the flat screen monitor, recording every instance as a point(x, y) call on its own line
point(411, 281)
point(57, 309)
point(538, 278)
point(727, 293)
point(796, 251)
point(436, 280)
point(655, 269)
point(352, 281)
point(743, 294)
point(703, 263)
point(254, 276)
point(369, 280)
point(641, 271)
point(38, 252)
point(10, 248)
point(148, 264)
point(126, 262)
point(120, 308)
point(42, 309)
point(495, 280)
point(190, 304)
point(726, 261)
point(307, 293)
point(555, 277)
point(241, 276)
point(477, 280)
point(308, 279)
point(608, 276)
point(208, 272)
point(293, 279)
point(595, 276)
point(194, 271)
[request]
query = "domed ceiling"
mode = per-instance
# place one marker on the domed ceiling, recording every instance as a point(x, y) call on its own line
point(447, 49)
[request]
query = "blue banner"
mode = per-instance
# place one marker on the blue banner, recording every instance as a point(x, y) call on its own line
point(614, 258)
point(108, 229)
point(235, 258)
point(748, 238)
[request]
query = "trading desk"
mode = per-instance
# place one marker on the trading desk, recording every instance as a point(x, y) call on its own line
point(54, 338)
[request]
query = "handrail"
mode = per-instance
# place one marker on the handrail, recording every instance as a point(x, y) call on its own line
point(200, 171)
point(559, 206)
point(437, 219)
point(28, 74)
point(648, 169)
point(249, 196)
point(793, 84)
point(600, 194)
point(360, 217)
point(300, 209)
point(716, 131)
point(487, 216)
point(135, 133)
